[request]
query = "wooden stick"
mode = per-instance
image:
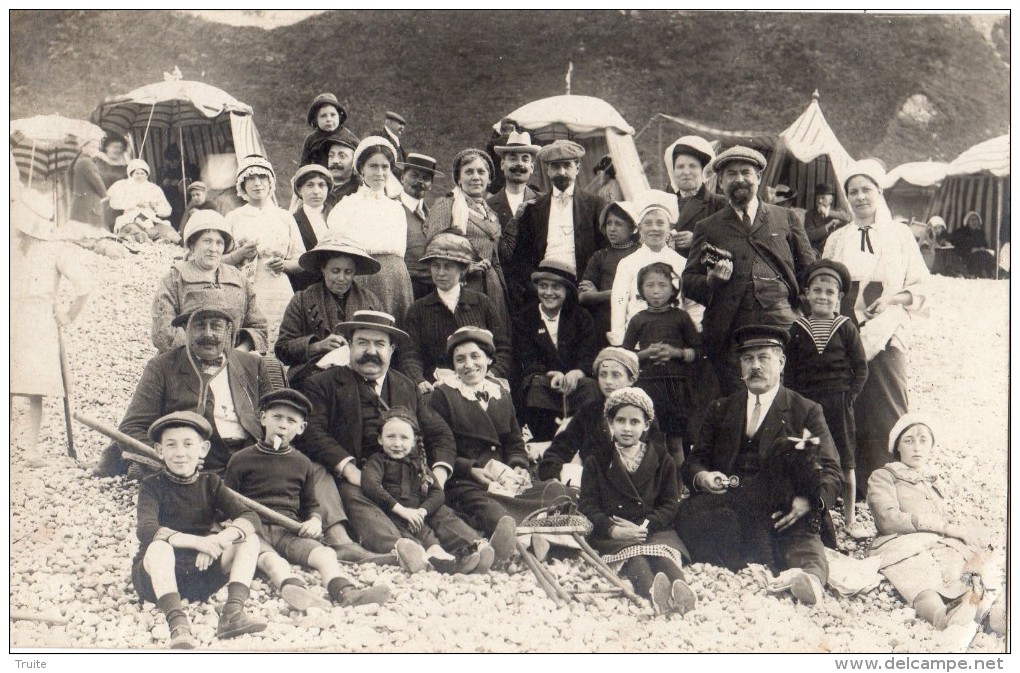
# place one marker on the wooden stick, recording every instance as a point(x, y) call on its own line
point(65, 371)
point(266, 514)
point(533, 566)
point(592, 557)
point(54, 619)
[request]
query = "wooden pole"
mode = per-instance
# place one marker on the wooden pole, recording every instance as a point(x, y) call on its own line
point(65, 372)
point(998, 223)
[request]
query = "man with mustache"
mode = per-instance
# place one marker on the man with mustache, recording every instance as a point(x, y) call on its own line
point(336, 153)
point(347, 405)
point(758, 286)
point(418, 173)
point(562, 225)
point(517, 162)
point(740, 433)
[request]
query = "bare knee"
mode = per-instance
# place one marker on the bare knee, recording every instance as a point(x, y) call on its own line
point(158, 556)
point(323, 559)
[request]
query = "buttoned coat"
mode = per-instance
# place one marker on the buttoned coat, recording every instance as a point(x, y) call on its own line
point(304, 278)
point(776, 234)
point(535, 352)
point(334, 430)
point(703, 204)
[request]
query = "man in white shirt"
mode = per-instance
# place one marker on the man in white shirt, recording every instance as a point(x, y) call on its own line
point(517, 161)
point(562, 225)
point(739, 435)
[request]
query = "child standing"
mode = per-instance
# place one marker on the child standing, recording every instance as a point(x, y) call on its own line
point(826, 363)
point(618, 223)
point(399, 481)
point(180, 555)
point(629, 492)
point(273, 474)
point(667, 342)
point(326, 116)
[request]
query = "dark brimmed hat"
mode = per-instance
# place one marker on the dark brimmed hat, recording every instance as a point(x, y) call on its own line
point(604, 163)
point(739, 153)
point(374, 320)
point(824, 188)
point(757, 336)
point(334, 246)
point(206, 301)
point(341, 136)
point(482, 337)
point(517, 142)
point(179, 419)
point(422, 162)
point(204, 220)
point(831, 268)
point(288, 397)
point(561, 150)
point(396, 117)
point(449, 246)
point(784, 193)
point(322, 100)
point(305, 172)
point(695, 146)
point(555, 270)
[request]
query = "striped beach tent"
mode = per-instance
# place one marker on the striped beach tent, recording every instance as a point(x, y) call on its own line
point(910, 187)
point(45, 145)
point(199, 118)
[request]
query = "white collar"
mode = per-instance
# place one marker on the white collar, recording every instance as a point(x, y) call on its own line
point(545, 318)
point(321, 212)
point(765, 398)
point(409, 201)
point(752, 210)
point(569, 191)
point(487, 385)
point(392, 135)
point(450, 297)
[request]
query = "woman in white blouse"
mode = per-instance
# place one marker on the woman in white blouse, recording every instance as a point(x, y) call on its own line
point(887, 290)
point(377, 223)
point(268, 241)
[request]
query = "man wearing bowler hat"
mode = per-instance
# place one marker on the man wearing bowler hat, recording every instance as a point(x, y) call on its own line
point(823, 218)
point(739, 435)
point(517, 164)
point(768, 251)
point(562, 225)
point(416, 180)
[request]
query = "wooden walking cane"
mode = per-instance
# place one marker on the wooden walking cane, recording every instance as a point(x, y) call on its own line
point(271, 516)
point(592, 557)
point(65, 372)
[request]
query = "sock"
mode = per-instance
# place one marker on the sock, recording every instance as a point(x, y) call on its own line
point(292, 580)
point(170, 605)
point(237, 594)
point(336, 587)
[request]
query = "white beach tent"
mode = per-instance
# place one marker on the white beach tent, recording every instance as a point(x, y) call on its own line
point(595, 125)
point(910, 187)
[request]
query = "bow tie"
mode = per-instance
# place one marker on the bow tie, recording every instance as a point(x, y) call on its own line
point(210, 364)
point(866, 240)
point(482, 396)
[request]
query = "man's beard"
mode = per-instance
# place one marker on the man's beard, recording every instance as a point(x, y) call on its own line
point(562, 182)
point(739, 193)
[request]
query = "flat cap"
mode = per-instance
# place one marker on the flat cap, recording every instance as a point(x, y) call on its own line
point(757, 336)
point(197, 185)
point(207, 300)
point(395, 117)
point(739, 153)
point(287, 397)
point(179, 419)
point(561, 150)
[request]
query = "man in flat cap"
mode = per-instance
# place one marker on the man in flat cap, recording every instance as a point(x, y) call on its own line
point(393, 127)
point(516, 158)
point(741, 433)
point(767, 251)
point(336, 153)
point(416, 180)
point(562, 225)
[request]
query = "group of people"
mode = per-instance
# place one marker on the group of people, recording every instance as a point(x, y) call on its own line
point(667, 352)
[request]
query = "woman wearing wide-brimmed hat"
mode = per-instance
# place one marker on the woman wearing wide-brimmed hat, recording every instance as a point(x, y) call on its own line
point(207, 235)
point(308, 332)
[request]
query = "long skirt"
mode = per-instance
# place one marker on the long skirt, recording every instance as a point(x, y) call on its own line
point(272, 294)
point(35, 349)
point(882, 402)
point(392, 284)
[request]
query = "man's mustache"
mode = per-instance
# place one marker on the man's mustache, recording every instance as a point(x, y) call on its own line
point(368, 358)
point(208, 341)
point(518, 170)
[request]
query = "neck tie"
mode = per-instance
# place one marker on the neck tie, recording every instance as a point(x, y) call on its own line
point(564, 199)
point(866, 240)
point(746, 219)
point(752, 426)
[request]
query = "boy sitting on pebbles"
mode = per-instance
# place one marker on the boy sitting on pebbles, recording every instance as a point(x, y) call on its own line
point(180, 555)
point(274, 474)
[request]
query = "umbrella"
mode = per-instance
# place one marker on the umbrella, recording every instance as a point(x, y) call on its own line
point(45, 145)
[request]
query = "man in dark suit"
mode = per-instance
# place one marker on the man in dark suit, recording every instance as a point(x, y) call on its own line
point(347, 405)
point(562, 225)
point(336, 153)
point(686, 160)
point(758, 285)
point(416, 180)
point(823, 219)
point(739, 434)
point(393, 127)
point(517, 163)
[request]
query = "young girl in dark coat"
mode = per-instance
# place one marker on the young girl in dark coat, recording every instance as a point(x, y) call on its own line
point(554, 344)
point(629, 492)
point(826, 363)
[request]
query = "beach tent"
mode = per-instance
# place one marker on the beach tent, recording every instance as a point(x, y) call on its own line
point(805, 154)
point(978, 180)
point(592, 123)
point(910, 187)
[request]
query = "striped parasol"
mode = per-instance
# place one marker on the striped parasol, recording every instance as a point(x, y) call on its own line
point(45, 145)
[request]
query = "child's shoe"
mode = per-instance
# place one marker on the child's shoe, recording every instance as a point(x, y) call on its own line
point(683, 597)
point(660, 594)
point(452, 566)
point(806, 588)
point(181, 638)
point(486, 557)
point(352, 597)
point(504, 539)
point(300, 598)
point(237, 623)
point(412, 555)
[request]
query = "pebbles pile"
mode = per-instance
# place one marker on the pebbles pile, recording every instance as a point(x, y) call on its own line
point(73, 535)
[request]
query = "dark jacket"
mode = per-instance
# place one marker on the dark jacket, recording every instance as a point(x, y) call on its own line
point(790, 414)
point(303, 279)
point(776, 234)
point(388, 481)
point(534, 351)
point(334, 427)
point(607, 490)
point(814, 226)
point(311, 316)
point(703, 204)
point(87, 191)
point(507, 221)
point(416, 242)
point(169, 383)
point(533, 234)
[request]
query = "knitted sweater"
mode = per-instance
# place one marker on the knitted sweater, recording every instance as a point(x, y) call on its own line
point(280, 480)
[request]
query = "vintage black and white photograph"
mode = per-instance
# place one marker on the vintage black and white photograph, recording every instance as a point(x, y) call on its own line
point(506, 331)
